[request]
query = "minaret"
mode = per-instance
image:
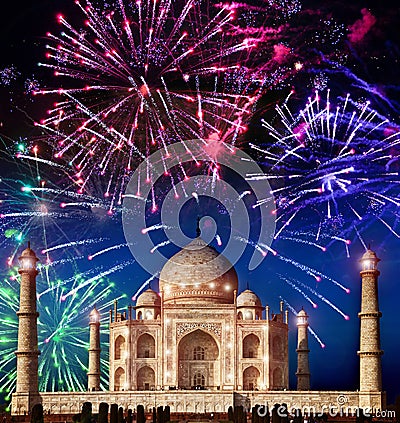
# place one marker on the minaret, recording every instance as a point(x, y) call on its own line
point(370, 348)
point(94, 351)
point(27, 352)
point(303, 367)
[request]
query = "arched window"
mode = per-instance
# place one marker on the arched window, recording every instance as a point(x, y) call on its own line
point(251, 377)
point(146, 346)
point(240, 316)
point(198, 353)
point(277, 348)
point(248, 315)
point(119, 379)
point(199, 379)
point(146, 378)
point(277, 378)
point(251, 346)
point(119, 347)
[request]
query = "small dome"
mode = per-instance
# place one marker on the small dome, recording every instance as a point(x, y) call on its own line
point(302, 313)
point(28, 252)
point(248, 299)
point(370, 255)
point(198, 273)
point(94, 312)
point(94, 316)
point(148, 298)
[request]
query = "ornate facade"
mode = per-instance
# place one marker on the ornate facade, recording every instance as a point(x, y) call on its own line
point(198, 333)
point(198, 346)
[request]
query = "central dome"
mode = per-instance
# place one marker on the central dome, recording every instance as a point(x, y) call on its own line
point(198, 274)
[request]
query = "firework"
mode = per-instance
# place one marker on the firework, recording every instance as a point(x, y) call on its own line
point(39, 199)
point(383, 96)
point(334, 163)
point(67, 226)
point(140, 77)
point(8, 75)
point(291, 40)
point(62, 328)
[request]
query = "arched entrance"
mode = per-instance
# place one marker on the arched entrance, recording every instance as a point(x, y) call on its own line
point(119, 379)
point(199, 379)
point(146, 378)
point(251, 377)
point(198, 363)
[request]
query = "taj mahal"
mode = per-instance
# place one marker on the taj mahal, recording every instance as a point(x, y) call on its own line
point(197, 345)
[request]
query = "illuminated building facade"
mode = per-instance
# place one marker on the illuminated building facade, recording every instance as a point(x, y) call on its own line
point(198, 346)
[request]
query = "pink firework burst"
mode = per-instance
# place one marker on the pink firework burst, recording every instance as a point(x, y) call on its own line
point(141, 76)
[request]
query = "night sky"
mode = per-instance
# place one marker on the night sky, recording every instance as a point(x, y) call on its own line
point(371, 44)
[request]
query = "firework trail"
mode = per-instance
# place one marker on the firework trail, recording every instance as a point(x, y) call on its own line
point(62, 329)
point(294, 312)
point(383, 95)
point(337, 163)
point(33, 207)
point(293, 285)
point(144, 284)
point(141, 76)
point(299, 284)
point(106, 250)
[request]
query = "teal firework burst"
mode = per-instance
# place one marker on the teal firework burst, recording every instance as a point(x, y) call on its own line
point(63, 334)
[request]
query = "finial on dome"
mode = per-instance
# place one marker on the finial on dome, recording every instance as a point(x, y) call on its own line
point(247, 285)
point(198, 230)
point(29, 244)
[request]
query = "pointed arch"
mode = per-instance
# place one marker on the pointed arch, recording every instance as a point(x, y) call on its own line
point(251, 377)
point(277, 348)
point(119, 379)
point(251, 346)
point(146, 378)
point(146, 346)
point(198, 354)
point(199, 379)
point(119, 347)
